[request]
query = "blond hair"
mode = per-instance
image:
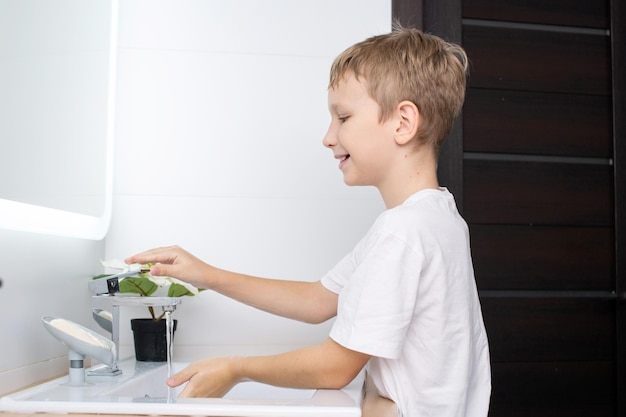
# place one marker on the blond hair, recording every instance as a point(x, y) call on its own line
point(408, 64)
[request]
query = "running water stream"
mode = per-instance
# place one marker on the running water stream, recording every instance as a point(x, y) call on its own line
point(169, 342)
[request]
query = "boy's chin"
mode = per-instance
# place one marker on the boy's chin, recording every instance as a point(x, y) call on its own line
point(348, 181)
point(354, 182)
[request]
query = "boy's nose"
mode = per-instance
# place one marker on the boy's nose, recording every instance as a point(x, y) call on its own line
point(329, 139)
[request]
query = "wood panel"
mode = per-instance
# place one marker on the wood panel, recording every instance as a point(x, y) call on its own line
point(511, 192)
point(540, 85)
point(583, 13)
point(408, 13)
point(561, 389)
point(618, 36)
point(443, 18)
point(537, 123)
point(549, 329)
point(535, 60)
point(551, 356)
point(543, 258)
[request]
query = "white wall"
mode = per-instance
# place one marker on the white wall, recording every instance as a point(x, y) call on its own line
point(41, 275)
point(54, 85)
point(221, 109)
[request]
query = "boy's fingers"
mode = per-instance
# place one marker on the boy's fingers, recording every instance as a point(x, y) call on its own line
point(158, 270)
point(162, 255)
point(179, 378)
point(171, 382)
point(166, 270)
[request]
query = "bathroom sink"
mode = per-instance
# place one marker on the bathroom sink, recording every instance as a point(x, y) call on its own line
point(141, 389)
point(149, 383)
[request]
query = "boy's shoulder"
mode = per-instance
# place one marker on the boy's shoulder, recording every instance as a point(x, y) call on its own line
point(429, 200)
point(425, 210)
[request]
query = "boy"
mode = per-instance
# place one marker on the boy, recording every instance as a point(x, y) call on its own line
point(405, 298)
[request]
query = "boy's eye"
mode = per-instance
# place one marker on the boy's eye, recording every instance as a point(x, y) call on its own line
point(343, 118)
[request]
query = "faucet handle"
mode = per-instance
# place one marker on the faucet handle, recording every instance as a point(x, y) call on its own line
point(111, 285)
point(100, 286)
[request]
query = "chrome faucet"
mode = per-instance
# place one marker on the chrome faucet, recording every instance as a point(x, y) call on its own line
point(106, 301)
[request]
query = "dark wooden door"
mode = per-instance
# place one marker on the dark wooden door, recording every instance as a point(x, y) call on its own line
point(536, 164)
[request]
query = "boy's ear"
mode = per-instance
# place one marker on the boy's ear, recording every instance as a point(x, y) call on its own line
point(409, 118)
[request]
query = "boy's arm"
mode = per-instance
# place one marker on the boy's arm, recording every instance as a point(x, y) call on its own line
point(309, 302)
point(325, 366)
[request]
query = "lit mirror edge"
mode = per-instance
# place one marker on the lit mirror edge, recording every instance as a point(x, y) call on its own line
point(36, 219)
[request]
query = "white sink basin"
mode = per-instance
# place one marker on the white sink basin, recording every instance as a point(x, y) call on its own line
point(141, 389)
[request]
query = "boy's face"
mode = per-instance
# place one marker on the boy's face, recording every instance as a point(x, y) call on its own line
point(358, 140)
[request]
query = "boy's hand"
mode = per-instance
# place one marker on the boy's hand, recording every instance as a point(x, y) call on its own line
point(207, 378)
point(173, 261)
point(306, 301)
point(327, 365)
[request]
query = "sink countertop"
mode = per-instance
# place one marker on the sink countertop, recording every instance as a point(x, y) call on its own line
point(3, 414)
point(389, 411)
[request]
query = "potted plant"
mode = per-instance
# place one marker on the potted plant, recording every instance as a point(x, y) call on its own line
point(149, 333)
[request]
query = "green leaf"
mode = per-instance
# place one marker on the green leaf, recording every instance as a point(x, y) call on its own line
point(177, 290)
point(142, 286)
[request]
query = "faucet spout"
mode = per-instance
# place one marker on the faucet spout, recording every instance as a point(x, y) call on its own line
point(167, 303)
point(106, 312)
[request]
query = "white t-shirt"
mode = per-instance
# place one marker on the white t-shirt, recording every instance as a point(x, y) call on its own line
point(407, 296)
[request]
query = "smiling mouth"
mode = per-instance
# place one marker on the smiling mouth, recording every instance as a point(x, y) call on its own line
point(343, 159)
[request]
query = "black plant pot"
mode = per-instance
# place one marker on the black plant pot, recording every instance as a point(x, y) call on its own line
point(150, 340)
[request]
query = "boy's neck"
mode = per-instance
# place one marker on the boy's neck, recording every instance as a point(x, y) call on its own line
point(414, 173)
point(393, 199)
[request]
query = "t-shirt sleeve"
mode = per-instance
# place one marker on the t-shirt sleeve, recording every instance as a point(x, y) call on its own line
point(378, 298)
point(335, 279)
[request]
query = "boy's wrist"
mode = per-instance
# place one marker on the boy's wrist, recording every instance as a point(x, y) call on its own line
point(239, 369)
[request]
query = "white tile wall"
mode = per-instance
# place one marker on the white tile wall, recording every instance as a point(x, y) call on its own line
point(221, 113)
